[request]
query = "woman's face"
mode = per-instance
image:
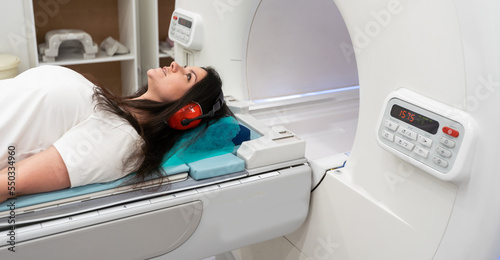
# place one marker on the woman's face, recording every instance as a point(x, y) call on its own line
point(171, 83)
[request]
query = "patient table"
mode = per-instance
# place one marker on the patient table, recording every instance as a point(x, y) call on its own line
point(262, 194)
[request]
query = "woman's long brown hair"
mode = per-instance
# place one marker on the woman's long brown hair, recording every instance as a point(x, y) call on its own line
point(158, 137)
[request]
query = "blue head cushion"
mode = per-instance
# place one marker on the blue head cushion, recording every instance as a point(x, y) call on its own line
point(196, 145)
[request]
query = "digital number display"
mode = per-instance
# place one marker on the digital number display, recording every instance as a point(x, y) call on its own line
point(185, 22)
point(417, 120)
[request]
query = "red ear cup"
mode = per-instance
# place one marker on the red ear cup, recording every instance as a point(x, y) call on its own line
point(190, 111)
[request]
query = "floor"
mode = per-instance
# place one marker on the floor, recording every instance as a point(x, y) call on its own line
point(225, 256)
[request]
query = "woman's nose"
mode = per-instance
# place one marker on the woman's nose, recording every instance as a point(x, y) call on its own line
point(174, 66)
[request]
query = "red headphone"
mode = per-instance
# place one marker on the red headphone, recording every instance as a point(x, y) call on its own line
point(191, 114)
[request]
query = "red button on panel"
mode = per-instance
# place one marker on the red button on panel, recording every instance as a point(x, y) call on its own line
point(175, 17)
point(449, 131)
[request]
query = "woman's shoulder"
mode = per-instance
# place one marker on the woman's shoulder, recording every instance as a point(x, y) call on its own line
point(53, 74)
point(50, 69)
point(115, 123)
point(49, 90)
point(49, 81)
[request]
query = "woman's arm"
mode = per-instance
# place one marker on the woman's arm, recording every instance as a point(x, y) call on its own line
point(41, 172)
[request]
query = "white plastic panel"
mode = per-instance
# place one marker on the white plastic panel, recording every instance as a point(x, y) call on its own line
point(163, 230)
point(433, 136)
point(276, 146)
point(186, 29)
point(346, 222)
point(260, 208)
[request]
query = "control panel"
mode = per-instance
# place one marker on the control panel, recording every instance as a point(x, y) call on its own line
point(432, 136)
point(186, 29)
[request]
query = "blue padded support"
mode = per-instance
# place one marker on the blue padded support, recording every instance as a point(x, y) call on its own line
point(216, 166)
point(242, 136)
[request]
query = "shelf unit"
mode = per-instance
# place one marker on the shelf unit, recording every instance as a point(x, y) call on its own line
point(100, 19)
point(138, 24)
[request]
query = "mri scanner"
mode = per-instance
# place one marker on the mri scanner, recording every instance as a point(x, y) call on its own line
point(402, 167)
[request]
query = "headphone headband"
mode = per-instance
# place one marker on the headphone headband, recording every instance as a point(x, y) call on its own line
point(216, 107)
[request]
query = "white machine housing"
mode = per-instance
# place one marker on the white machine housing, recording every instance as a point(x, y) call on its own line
point(378, 206)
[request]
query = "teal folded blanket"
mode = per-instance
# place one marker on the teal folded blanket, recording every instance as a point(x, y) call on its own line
point(199, 144)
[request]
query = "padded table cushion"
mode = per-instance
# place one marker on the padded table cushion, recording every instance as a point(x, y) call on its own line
point(216, 166)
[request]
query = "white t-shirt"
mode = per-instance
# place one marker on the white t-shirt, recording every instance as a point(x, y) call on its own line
point(52, 105)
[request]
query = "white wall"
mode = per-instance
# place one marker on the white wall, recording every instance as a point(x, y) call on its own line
point(16, 32)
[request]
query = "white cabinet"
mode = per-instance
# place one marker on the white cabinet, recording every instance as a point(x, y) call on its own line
point(138, 24)
point(100, 19)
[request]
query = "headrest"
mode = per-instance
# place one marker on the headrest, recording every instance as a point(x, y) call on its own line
point(196, 145)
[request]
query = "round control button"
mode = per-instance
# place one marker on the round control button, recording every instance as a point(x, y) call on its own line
point(450, 132)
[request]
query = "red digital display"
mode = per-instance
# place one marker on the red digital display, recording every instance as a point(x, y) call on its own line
point(417, 120)
point(185, 22)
